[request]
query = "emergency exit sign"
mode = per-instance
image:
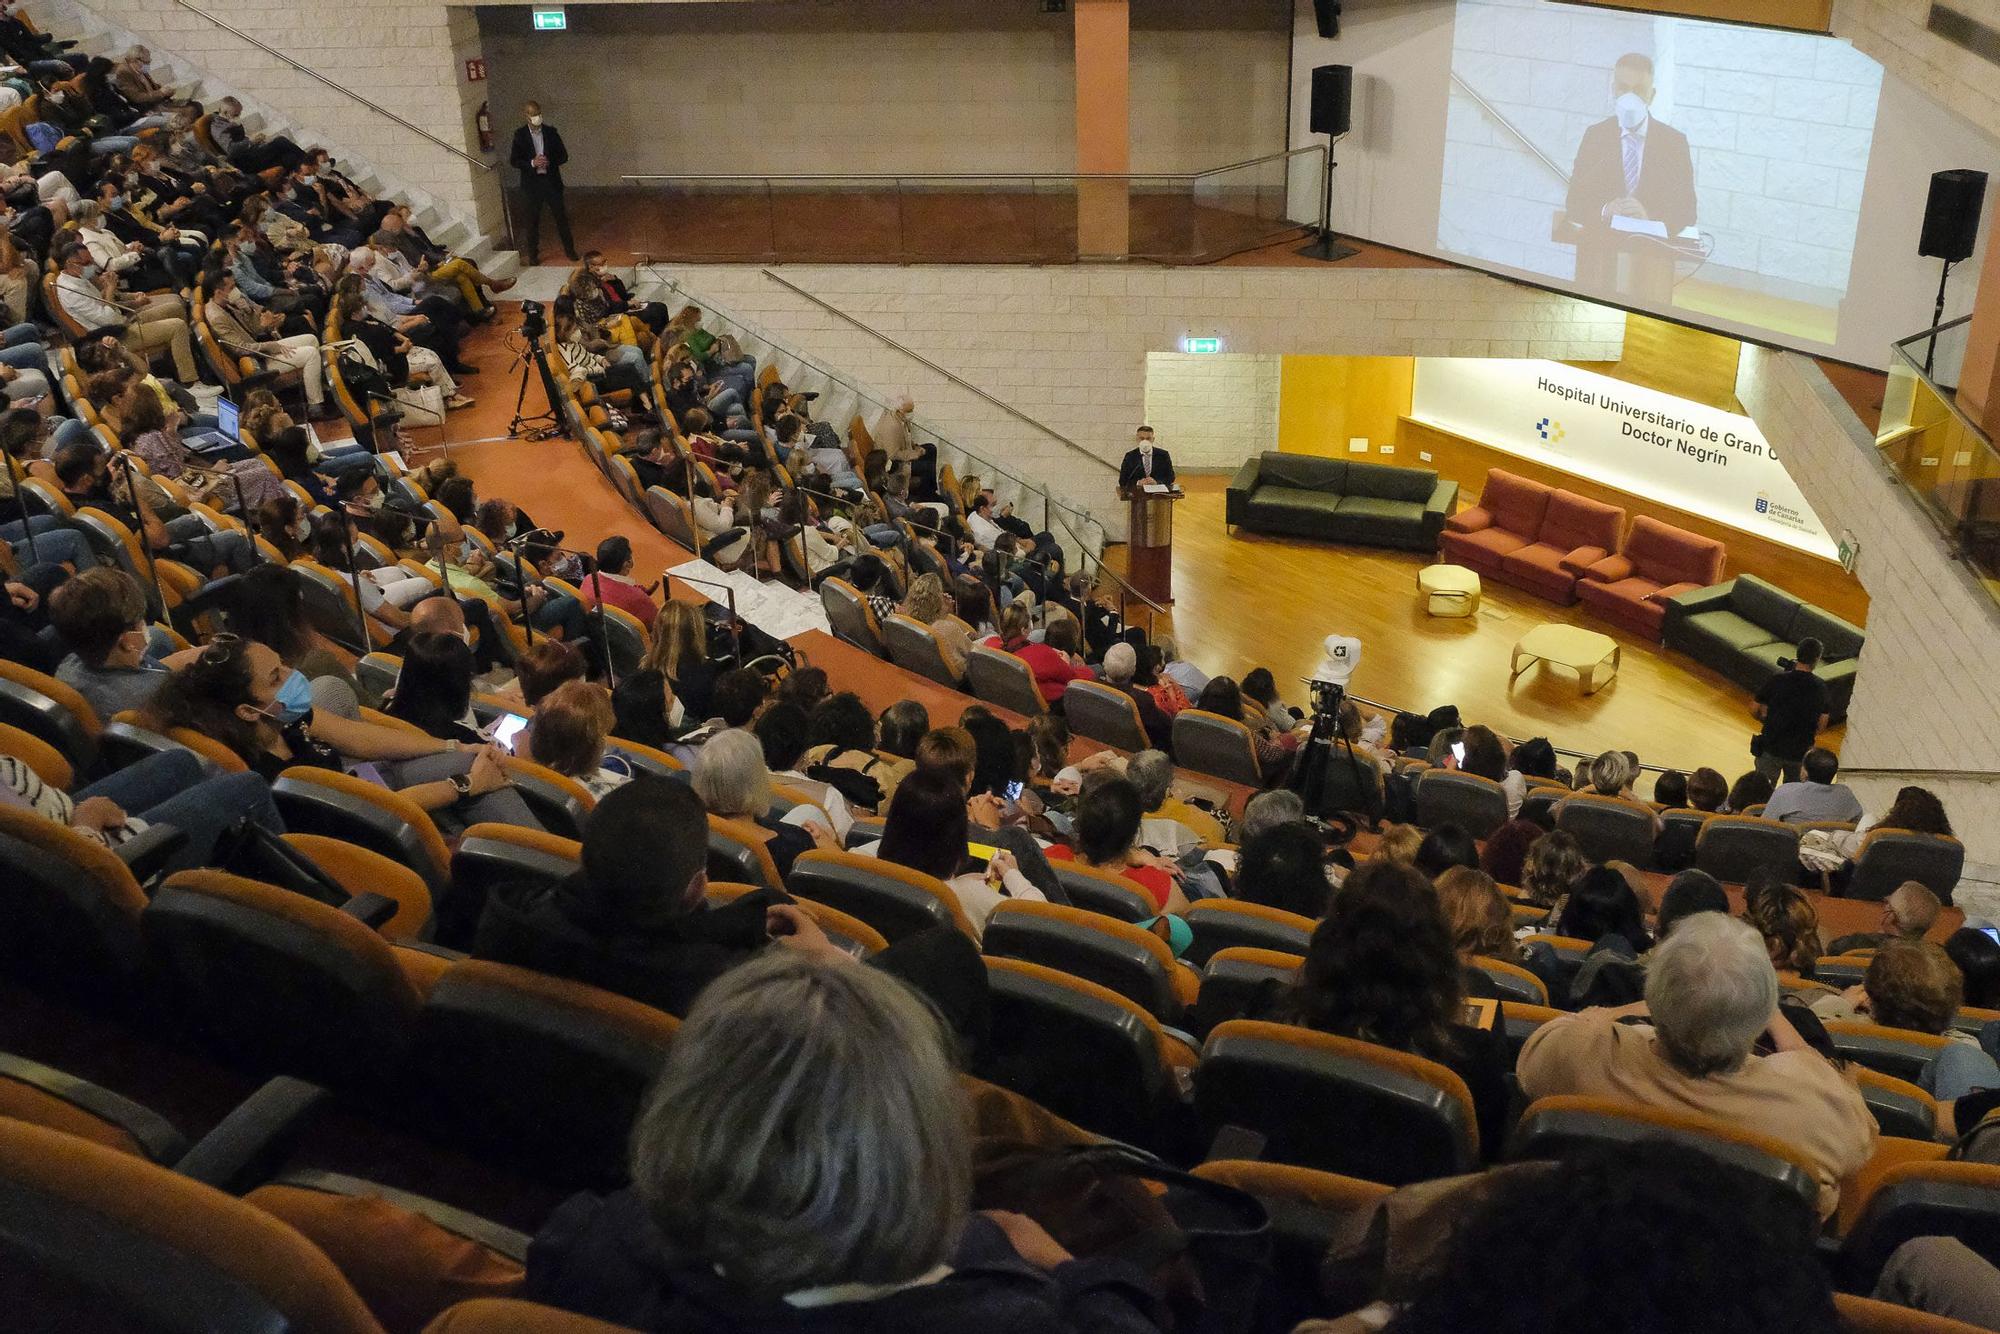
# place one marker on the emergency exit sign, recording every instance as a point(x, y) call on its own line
point(1202, 344)
point(551, 20)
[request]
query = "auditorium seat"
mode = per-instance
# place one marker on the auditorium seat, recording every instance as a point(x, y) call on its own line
point(1901, 1108)
point(914, 647)
point(281, 984)
point(1557, 1126)
point(895, 900)
point(1104, 892)
point(559, 802)
point(45, 707)
point(671, 515)
point(146, 1251)
point(1336, 1104)
point(1133, 962)
point(48, 763)
point(1104, 713)
point(1900, 1053)
point(1219, 924)
point(850, 617)
point(1512, 980)
point(1001, 679)
point(735, 852)
point(44, 1096)
point(1236, 982)
point(1080, 1050)
point(491, 855)
point(1475, 804)
point(1219, 747)
point(1735, 848)
point(338, 805)
point(359, 871)
point(69, 912)
point(1888, 857)
point(543, 1072)
point(850, 933)
point(1920, 1199)
point(1608, 829)
point(1519, 1020)
point(499, 1315)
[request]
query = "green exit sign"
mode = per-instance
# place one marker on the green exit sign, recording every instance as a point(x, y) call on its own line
point(551, 20)
point(1202, 344)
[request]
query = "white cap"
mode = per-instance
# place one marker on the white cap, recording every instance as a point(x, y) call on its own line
point(1343, 655)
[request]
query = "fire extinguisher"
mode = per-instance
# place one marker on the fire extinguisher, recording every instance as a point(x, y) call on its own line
point(484, 120)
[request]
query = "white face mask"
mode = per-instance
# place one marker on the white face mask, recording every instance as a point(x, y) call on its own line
point(302, 531)
point(676, 715)
point(535, 121)
point(1631, 111)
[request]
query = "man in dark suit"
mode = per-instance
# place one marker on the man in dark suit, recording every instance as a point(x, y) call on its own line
point(1629, 165)
point(538, 154)
point(1145, 462)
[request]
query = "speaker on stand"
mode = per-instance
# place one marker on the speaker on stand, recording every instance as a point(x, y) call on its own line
point(1332, 109)
point(1951, 232)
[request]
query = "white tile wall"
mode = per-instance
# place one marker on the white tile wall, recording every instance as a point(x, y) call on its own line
point(1210, 410)
point(1927, 696)
point(1893, 32)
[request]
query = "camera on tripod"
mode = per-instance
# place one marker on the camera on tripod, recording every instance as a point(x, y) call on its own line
point(534, 321)
point(1328, 685)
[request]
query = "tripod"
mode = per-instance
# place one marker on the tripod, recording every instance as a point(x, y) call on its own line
point(1309, 773)
point(540, 425)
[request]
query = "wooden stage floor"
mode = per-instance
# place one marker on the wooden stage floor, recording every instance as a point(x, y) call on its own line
point(1247, 600)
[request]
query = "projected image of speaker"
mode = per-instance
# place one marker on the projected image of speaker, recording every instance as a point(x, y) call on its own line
point(1951, 215)
point(1328, 14)
point(1332, 99)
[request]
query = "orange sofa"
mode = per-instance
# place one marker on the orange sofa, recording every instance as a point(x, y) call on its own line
point(1532, 536)
point(1659, 562)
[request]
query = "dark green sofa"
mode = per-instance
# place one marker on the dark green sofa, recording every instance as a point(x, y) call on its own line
point(1303, 495)
point(1742, 626)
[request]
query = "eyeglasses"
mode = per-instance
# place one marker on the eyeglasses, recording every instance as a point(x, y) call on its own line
point(220, 649)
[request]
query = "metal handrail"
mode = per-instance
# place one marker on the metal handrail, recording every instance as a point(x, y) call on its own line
point(1494, 113)
point(932, 366)
point(1984, 775)
point(343, 90)
point(643, 177)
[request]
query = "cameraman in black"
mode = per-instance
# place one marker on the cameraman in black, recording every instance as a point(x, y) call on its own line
point(1792, 706)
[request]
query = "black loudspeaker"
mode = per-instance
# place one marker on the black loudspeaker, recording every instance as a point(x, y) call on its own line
point(1951, 216)
point(1328, 14)
point(1333, 98)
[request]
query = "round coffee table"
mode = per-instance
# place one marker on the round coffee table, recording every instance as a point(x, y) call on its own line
point(1448, 590)
point(1592, 656)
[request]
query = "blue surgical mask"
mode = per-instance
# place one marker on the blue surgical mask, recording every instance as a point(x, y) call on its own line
point(117, 201)
point(294, 699)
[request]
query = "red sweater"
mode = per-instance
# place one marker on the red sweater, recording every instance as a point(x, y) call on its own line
point(622, 595)
point(1052, 670)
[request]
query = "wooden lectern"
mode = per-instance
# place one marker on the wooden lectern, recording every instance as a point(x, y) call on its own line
point(1150, 542)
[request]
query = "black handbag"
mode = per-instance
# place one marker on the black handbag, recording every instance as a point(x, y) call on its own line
point(248, 849)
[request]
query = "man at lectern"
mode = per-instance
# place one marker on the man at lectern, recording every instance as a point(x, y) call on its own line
point(1145, 462)
point(1634, 174)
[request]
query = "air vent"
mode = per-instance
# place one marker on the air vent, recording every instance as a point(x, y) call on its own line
point(1960, 29)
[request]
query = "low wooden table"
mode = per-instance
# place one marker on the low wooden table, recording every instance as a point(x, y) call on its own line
point(1448, 590)
point(1592, 656)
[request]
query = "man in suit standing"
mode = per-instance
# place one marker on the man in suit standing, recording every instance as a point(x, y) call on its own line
point(1629, 165)
point(1145, 462)
point(538, 154)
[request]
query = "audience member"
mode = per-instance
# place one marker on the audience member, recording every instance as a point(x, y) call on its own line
point(1977, 955)
point(855, 1211)
point(1787, 921)
point(1284, 867)
point(1120, 662)
point(1750, 789)
point(101, 616)
point(1554, 862)
point(1381, 968)
point(1445, 846)
point(569, 734)
point(733, 782)
point(1505, 853)
point(1907, 914)
point(1814, 796)
point(1107, 831)
point(926, 830)
point(1711, 994)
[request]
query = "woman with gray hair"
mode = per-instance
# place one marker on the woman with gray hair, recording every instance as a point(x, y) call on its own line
point(732, 780)
point(803, 1164)
point(1711, 995)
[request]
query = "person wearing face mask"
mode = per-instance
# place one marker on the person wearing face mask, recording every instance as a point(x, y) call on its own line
point(1633, 166)
point(90, 297)
point(538, 154)
point(100, 616)
point(240, 693)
